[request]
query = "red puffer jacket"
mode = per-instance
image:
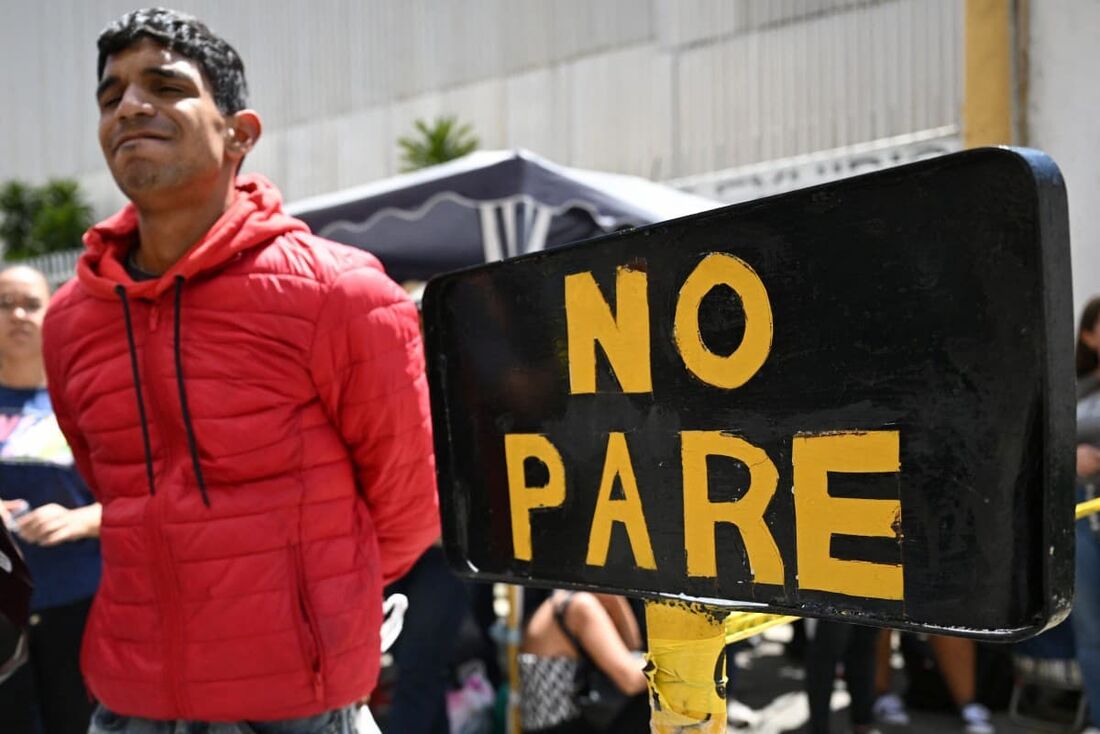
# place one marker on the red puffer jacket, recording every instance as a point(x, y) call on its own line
point(256, 425)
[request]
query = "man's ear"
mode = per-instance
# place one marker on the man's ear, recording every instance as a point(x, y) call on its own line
point(242, 131)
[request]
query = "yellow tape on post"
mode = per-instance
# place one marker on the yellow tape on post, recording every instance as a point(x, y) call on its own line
point(743, 625)
point(1090, 507)
point(686, 668)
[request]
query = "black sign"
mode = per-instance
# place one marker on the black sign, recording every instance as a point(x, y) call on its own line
point(852, 401)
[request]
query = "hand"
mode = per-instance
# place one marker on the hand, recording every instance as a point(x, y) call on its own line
point(1088, 460)
point(53, 524)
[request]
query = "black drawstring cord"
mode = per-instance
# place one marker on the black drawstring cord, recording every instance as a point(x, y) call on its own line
point(183, 397)
point(121, 291)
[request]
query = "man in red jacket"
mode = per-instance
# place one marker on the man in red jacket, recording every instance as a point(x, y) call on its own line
point(246, 400)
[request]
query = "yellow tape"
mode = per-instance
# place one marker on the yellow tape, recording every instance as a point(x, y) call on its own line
point(688, 668)
point(670, 722)
point(743, 625)
point(1088, 508)
point(686, 682)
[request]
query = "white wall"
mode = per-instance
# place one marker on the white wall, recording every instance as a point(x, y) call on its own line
point(1064, 121)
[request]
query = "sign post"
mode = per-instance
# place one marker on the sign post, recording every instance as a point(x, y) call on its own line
point(852, 402)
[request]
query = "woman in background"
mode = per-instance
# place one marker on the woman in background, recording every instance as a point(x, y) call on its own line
point(54, 518)
point(566, 630)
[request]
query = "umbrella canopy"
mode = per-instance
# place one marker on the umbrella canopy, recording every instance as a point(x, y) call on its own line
point(487, 206)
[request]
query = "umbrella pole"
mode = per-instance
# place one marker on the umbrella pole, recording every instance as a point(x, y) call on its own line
point(686, 667)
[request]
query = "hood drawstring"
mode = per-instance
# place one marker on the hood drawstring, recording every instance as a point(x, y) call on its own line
point(137, 388)
point(192, 444)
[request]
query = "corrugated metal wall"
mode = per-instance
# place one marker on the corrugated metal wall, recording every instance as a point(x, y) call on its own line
point(661, 88)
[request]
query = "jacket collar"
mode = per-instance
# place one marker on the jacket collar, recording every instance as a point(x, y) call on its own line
point(254, 218)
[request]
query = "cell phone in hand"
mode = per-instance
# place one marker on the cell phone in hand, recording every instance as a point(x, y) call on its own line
point(17, 512)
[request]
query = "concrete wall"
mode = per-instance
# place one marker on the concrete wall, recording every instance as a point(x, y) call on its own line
point(660, 88)
point(1064, 120)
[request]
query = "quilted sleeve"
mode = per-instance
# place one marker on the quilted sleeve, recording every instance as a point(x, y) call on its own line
point(55, 383)
point(368, 366)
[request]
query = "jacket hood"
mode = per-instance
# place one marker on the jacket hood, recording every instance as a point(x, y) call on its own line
point(254, 218)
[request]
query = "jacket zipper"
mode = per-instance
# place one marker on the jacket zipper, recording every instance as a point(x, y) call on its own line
point(310, 641)
point(166, 577)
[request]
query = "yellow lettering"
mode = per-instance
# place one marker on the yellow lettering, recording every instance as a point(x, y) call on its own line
point(627, 510)
point(518, 447)
point(818, 515)
point(623, 335)
point(735, 369)
point(747, 513)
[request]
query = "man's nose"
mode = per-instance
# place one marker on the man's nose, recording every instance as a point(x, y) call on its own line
point(133, 103)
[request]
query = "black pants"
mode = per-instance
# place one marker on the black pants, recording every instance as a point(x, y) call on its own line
point(49, 688)
point(437, 606)
point(833, 642)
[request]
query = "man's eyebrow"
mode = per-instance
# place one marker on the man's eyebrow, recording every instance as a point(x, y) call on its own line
point(166, 73)
point(157, 71)
point(104, 85)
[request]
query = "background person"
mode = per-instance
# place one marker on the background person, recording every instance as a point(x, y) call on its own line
point(1086, 603)
point(57, 527)
point(423, 653)
point(956, 665)
point(828, 644)
point(565, 629)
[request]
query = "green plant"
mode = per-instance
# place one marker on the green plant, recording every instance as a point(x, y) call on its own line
point(35, 220)
point(438, 142)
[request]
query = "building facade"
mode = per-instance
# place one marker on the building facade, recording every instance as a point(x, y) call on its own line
point(660, 88)
point(729, 98)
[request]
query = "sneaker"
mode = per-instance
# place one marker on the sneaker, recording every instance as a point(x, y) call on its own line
point(890, 709)
point(977, 719)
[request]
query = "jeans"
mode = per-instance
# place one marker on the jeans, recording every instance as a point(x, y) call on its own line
point(338, 721)
point(1086, 611)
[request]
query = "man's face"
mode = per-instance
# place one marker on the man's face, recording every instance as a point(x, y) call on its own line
point(159, 127)
point(23, 299)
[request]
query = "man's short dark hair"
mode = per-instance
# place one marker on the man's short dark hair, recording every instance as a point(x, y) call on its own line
point(189, 37)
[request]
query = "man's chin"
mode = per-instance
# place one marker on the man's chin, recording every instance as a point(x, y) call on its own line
point(140, 177)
